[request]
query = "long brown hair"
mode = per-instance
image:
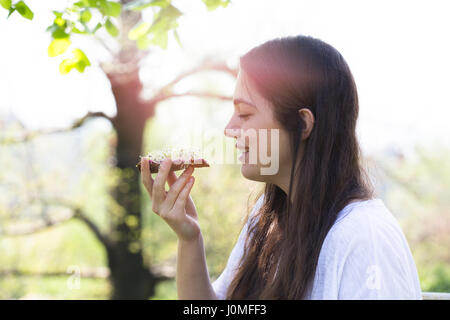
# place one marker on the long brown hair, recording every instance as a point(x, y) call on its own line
point(280, 256)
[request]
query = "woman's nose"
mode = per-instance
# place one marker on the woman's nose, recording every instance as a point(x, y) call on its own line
point(231, 132)
point(232, 129)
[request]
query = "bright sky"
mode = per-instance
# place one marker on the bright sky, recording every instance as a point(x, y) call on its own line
point(398, 52)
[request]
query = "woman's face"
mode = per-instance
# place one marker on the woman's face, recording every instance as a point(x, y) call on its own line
point(268, 156)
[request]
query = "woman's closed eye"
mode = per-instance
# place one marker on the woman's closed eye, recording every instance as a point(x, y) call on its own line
point(244, 116)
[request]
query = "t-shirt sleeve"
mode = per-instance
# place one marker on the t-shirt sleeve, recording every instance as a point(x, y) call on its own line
point(220, 285)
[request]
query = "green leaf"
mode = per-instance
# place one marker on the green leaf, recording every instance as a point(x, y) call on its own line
point(24, 11)
point(11, 10)
point(82, 4)
point(60, 22)
point(177, 37)
point(76, 30)
point(138, 5)
point(214, 4)
point(57, 14)
point(165, 19)
point(78, 61)
point(94, 3)
point(114, 8)
point(5, 4)
point(82, 59)
point(111, 28)
point(110, 8)
point(58, 33)
point(161, 39)
point(58, 46)
point(143, 42)
point(98, 26)
point(85, 16)
point(139, 31)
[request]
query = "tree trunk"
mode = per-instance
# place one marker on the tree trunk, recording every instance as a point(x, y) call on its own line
point(130, 277)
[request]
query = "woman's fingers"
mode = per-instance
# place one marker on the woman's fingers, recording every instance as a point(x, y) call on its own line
point(146, 177)
point(159, 185)
point(180, 203)
point(171, 178)
point(177, 186)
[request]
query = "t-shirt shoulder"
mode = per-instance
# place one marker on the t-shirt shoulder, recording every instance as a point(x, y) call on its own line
point(365, 255)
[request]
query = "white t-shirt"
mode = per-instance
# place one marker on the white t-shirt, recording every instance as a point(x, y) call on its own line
point(365, 255)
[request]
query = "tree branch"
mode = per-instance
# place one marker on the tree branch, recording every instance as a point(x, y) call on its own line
point(77, 213)
point(164, 272)
point(76, 124)
point(192, 94)
point(207, 65)
point(99, 235)
point(93, 273)
point(28, 230)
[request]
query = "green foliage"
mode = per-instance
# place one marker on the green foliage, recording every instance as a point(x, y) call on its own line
point(110, 8)
point(85, 16)
point(166, 290)
point(139, 31)
point(111, 28)
point(28, 287)
point(106, 8)
point(214, 4)
point(435, 277)
point(156, 33)
point(24, 11)
point(417, 194)
point(138, 5)
point(5, 4)
point(58, 46)
point(20, 7)
point(78, 18)
point(79, 61)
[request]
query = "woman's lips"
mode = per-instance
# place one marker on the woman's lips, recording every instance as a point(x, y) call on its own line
point(243, 154)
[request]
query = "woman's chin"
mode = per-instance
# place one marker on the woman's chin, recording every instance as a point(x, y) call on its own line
point(252, 172)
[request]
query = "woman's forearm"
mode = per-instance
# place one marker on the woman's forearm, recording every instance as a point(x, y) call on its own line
point(192, 272)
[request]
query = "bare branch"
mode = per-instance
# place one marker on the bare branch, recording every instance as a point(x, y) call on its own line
point(206, 65)
point(35, 228)
point(164, 272)
point(193, 94)
point(76, 124)
point(77, 213)
point(93, 273)
point(105, 46)
point(99, 235)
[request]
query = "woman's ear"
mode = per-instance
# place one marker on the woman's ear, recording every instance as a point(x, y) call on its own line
point(308, 120)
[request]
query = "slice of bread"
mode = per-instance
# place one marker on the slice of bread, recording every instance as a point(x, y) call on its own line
point(181, 159)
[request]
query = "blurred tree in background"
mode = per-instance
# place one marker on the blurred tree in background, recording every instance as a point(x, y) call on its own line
point(130, 272)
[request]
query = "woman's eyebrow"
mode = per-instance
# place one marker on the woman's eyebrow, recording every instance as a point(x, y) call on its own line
point(239, 100)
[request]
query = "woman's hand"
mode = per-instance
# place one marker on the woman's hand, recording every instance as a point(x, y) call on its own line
point(174, 206)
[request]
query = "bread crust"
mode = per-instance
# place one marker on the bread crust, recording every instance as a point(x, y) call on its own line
point(176, 164)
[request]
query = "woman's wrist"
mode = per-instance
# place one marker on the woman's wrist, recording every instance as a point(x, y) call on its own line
point(190, 241)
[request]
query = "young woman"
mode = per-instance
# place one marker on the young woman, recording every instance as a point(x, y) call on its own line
point(316, 232)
